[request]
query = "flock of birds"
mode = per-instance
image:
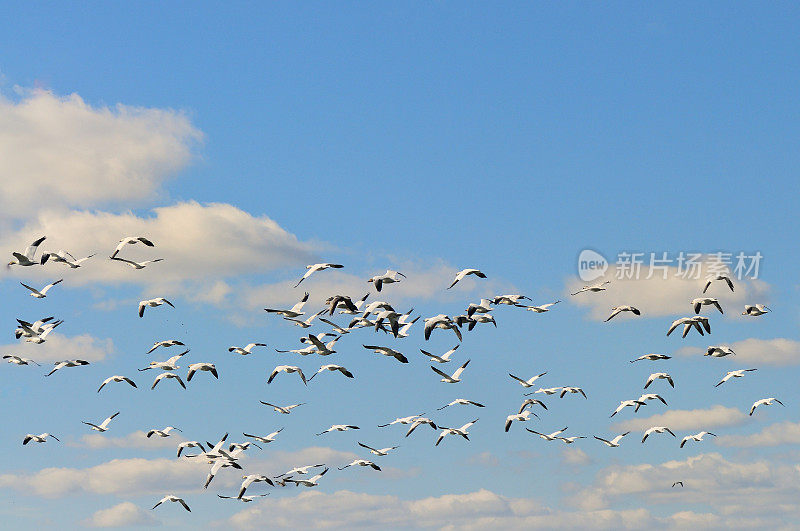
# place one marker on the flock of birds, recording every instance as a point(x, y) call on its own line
point(377, 316)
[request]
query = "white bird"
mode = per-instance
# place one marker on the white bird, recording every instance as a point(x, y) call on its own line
point(697, 322)
point(698, 303)
point(530, 402)
point(444, 358)
point(294, 311)
point(616, 310)
point(719, 351)
point(755, 310)
point(405, 327)
point(267, 439)
point(166, 343)
point(548, 437)
point(441, 321)
point(362, 462)
point(137, 265)
point(313, 268)
point(541, 308)
point(208, 367)
point(593, 287)
point(529, 382)
point(65, 257)
point(378, 451)
point(27, 329)
point(462, 431)
point(390, 277)
point(652, 357)
point(247, 498)
point(455, 378)
point(479, 318)
point(116, 378)
point(573, 390)
point(386, 351)
point(509, 300)
point(152, 303)
point(628, 403)
point(67, 363)
point(659, 376)
point(287, 369)
point(485, 306)
point(38, 438)
point(164, 375)
point(696, 437)
point(462, 402)
point(570, 440)
point(463, 273)
point(162, 433)
point(547, 391)
point(644, 398)
point(103, 426)
point(712, 278)
point(340, 427)
point(402, 420)
point(764, 402)
point(169, 365)
point(734, 374)
point(189, 444)
point(521, 417)
point(172, 498)
point(282, 409)
point(613, 443)
point(17, 360)
point(657, 429)
point(131, 240)
point(41, 293)
point(218, 465)
point(248, 349)
point(26, 258)
point(311, 482)
point(301, 470)
point(356, 306)
point(419, 421)
point(253, 478)
point(332, 367)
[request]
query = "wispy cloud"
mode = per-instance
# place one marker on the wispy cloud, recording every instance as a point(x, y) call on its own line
point(683, 419)
point(777, 352)
point(121, 515)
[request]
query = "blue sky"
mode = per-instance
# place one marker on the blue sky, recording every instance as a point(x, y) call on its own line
point(251, 140)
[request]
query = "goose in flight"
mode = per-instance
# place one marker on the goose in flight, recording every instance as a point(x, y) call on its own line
point(340, 427)
point(764, 402)
point(419, 421)
point(310, 482)
point(479, 318)
point(218, 465)
point(719, 351)
point(26, 329)
point(462, 402)
point(332, 367)
point(339, 300)
point(103, 426)
point(17, 360)
point(678, 483)
point(313, 268)
point(616, 310)
point(659, 376)
point(549, 437)
point(573, 390)
point(696, 437)
point(644, 398)
point(697, 304)
point(248, 498)
point(137, 265)
point(116, 378)
point(405, 327)
point(462, 431)
point(530, 402)
point(162, 433)
point(613, 443)
point(253, 478)
point(541, 308)
point(547, 391)
point(657, 429)
point(463, 273)
point(38, 438)
point(444, 358)
point(208, 367)
point(169, 365)
point(166, 343)
point(282, 409)
point(152, 303)
point(337, 329)
point(521, 417)
point(172, 498)
point(455, 378)
point(362, 462)
point(441, 321)
point(652, 357)
point(301, 470)
point(755, 310)
point(26, 258)
point(294, 311)
point(65, 257)
point(734, 374)
point(287, 369)
point(628, 403)
point(374, 306)
point(189, 444)
point(509, 300)
point(698, 322)
point(485, 306)
point(358, 305)
point(390, 277)
point(306, 323)
point(570, 440)
point(712, 278)
point(164, 375)
point(267, 439)
point(131, 240)
point(247, 349)
point(402, 420)
point(312, 348)
point(392, 317)
point(379, 452)
point(41, 293)
point(594, 288)
point(386, 351)
point(67, 363)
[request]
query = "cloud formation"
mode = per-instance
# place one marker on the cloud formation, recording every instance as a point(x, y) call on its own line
point(686, 419)
point(777, 352)
point(121, 515)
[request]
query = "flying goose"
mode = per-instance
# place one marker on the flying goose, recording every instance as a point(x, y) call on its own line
point(164, 375)
point(712, 278)
point(131, 240)
point(267, 439)
point(26, 258)
point(67, 363)
point(521, 417)
point(152, 303)
point(390, 277)
point(208, 367)
point(172, 498)
point(166, 343)
point(41, 293)
point(362, 462)
point(116, 378)
point(379, 452)
point(656, 429)
point(162, 433)
point(340, 427)
point(248, 349)
point(616, 310)
point(659, 376)
point(137, 265)
point(696, 437)
point(444, 358)
point(613, 443)
point(755, 310)
point(698, 303)
point(734, 374)
point(313, 268)
point(294, 311)
point(462, 402)
point(287, 369)
point(455, 378)
point(462, 431)
point(282, 409)
point(103, 426)
point(593, 287)
point(38, 438)
point(332, 367)
point(463, 273)
point(386, 351)
point(764, 402)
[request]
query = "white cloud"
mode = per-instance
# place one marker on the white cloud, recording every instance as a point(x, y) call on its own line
point(778, 352)
point(62, 152)
point(657, 296)
point(575, 457)
point(772, 435)
point(121, 515)
point(137, 439)
point(59, 347)
point(683, 419)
